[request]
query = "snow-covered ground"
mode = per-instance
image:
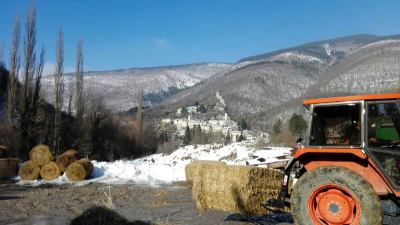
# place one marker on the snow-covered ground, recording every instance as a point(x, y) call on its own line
point(163, 169)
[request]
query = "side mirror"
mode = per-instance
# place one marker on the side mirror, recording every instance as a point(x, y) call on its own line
point(299, 140)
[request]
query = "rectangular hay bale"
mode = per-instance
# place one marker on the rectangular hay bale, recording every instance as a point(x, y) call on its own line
point(236, 188)
point(191, 169)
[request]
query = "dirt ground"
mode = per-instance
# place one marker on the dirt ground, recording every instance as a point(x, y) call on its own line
point(165, 205)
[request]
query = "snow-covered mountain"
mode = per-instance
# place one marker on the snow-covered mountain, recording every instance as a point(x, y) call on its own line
point(119, 88)
point(259, 88)
point(264, 87)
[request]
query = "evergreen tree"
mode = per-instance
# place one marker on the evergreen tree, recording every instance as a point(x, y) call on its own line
point(277, 127)
point(184, 112)
point(228, 138)
point(193, 132)
point(297, 124)
point(187, 138)
point(241, 137)
point(243, 125)
point(201, 108)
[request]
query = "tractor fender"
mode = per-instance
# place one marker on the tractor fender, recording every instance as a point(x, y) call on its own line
point(353, 159)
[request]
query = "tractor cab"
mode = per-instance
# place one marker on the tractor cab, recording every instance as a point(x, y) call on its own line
point(370, 126)
point(373, 126)
point(348, 168)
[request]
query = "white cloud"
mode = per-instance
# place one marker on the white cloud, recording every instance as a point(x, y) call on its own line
point(161, 43)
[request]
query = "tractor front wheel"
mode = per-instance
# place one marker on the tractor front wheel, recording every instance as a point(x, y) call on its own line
point(333, 195)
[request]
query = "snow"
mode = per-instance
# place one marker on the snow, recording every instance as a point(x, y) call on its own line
point(327, 48)
point(380, 43)
point(158, 169)
point(119, 88)
point(290, 56)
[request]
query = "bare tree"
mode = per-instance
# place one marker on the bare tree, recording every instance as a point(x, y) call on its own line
point(79, 109)
point(24, 114)
point(38, 78)
point(36, 119)
point(29, 55)
point(58, 90)
point(14, 67)
point(70, 97)
point(139, 117)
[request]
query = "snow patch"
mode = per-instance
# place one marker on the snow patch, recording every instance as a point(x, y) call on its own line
point(380, 43)
point(158, 169)
point(294, 56)
point(328, 49)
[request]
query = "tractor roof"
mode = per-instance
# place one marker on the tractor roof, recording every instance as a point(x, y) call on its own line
point(352, 98)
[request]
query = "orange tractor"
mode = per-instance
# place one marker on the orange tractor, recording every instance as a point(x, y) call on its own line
point(349, 167)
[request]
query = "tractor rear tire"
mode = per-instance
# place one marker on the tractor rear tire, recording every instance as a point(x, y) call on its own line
point(331, 195)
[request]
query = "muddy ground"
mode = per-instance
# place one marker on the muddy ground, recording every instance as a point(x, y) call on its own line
point(164, 205)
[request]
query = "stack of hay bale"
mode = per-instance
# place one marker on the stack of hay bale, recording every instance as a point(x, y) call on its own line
point(233, 188)
point(8, 165)
point(41, 164)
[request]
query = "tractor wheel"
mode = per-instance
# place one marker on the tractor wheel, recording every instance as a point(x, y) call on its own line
point(335, 195)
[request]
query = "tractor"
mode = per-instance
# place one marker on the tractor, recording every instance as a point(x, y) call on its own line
point(347, 167)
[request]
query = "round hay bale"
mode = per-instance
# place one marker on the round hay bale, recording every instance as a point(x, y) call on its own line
point(79, 170)
point(41, 155)
point(50, 171)
point(65, 159)
point(29, 171)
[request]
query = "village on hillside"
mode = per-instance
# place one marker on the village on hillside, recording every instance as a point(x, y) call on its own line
point(213, 120)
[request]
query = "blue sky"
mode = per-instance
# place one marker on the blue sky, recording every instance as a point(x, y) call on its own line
point(141, 33)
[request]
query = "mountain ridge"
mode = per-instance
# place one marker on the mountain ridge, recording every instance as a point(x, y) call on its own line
point(119, 89)
point(259, 88)
point(270, 85)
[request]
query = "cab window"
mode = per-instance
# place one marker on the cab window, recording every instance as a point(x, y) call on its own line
point(383, 124)
point(336, 125)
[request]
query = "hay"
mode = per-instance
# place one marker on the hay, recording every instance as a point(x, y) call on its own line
point(192, 168)
point(79, 170)
point(29, 171)
point(50, 171)
point(41, 155)
point(235, 188)
point(8, 167)
point(68, 157)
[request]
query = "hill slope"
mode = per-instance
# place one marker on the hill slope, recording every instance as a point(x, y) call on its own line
point(264, 87)
point(120, 88)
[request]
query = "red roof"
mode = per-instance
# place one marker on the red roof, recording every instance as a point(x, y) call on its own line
point(353, 98)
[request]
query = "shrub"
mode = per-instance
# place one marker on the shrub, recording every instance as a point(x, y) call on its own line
point(99, 215)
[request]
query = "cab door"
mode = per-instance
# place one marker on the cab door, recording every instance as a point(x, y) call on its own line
point(383, 137)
